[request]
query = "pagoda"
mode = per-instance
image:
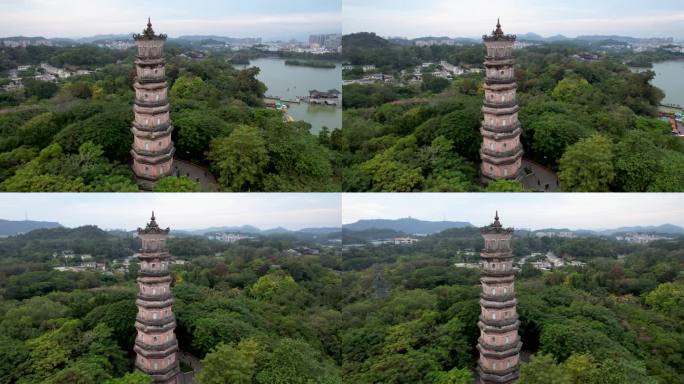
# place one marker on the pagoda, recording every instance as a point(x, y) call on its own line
point(155, 344)
point(499, 344)
point(501, 152)
point(153, 148)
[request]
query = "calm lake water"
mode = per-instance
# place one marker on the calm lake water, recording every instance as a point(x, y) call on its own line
point(288, 82)
point(669, 78)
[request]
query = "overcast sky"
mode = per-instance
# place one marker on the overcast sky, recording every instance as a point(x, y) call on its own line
point(252, 18)
point(416, 18)
point(526, 210)
point(178, 211)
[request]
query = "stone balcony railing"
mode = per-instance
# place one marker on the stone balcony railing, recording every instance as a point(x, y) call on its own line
point(496, 153)
point(499, 80)
point(501, 104)
point(499, 348)
point(156, 347)
point(153, 153)
point(156, 322)
point(153, 273)
point(499, 322)
point(151, 103)
point(491, 376)
point(145, 79)
point(501, 128)
point(498, 297)
point(154, 297)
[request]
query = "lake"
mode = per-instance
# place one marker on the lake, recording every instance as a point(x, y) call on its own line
point(670, 78)
point(288, 82)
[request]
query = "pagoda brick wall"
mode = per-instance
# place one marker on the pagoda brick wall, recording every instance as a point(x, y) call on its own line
point(499, 344)
point(501, 151)
point(155, 343)
point(153, 149)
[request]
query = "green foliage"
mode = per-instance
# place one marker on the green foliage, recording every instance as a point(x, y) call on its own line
point(562, 102)
point(667, 298)
point(189, 87)
point(240, 158)
point(195, 129)
point(54, 171)
point(588, 165)
point(504, 186)
point(230, 364)
point(40, 89)
point(176, 184)
point(132, 378)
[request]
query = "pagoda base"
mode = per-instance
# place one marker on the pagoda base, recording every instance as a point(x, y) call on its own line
point(518, 176)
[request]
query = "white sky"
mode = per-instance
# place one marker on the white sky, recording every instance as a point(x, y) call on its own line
point(417, 18)
point(301, 210)
point(235, 18)
point(521, 210)
point(178, 211)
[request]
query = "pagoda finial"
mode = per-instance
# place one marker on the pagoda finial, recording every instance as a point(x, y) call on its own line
point(153, 216)
point(496, 223)
point(496, 217)
point(498, 31)
point(149, 21)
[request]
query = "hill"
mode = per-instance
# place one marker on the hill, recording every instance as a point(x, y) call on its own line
point(364, 40)
point(665, 229)
point(11, 228)
point(407, 225)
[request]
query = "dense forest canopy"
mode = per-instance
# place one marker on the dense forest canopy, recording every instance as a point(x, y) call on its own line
point(594, 123)
point(393, 314)
point(74, 135)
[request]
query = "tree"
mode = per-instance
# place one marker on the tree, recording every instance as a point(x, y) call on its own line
point(109, 129)
point(637, 162)
point(230, 364)
point(40, 89)
point(542, 369)
point(176, 184)
point(504, 186)
point(39, 131)
point(434, 84)
point(195, 130)
point(455, 376)
point(240, 158)
point(573, 90)
point(295, 362)
point(189, 87)
point(670, 177)
point(553, 133)
point(667, 298)
point(132, 378)
point(588, 165)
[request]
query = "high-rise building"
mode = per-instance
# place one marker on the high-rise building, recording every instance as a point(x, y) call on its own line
point(501, 152)
point(499, 344)
point(155, 344)
point(153, 148)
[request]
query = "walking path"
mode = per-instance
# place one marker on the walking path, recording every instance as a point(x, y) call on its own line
point(538, 178)
point(195, 173)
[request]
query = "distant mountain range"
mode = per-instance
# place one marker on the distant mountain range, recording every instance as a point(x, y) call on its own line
point(407, 225)
point(129, 37)
point(415, 226)
point(252, 230)
point(371, 40)
point(11, 228)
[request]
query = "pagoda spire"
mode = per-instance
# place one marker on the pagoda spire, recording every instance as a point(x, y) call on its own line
point(499, 343)
point(501, 150)
point(153, 148)
point(156, 345)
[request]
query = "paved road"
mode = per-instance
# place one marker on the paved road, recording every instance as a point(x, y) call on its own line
point(197, 174)
point(539, 179)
